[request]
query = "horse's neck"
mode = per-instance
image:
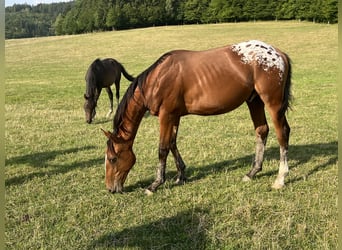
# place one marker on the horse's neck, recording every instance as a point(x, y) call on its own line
point(133, 115)
point(93, 92)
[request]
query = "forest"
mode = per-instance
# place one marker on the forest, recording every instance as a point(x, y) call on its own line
point(83, 16)
point(23, 20)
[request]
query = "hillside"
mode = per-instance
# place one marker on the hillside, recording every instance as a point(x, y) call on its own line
point(86, 16)
point(54, 173)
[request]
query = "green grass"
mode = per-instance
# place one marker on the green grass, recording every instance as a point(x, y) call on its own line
point(54, 173)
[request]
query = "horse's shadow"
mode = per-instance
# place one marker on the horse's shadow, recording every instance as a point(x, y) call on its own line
point(302, 154)
point(185, 230)
point(42, 160)
point(298, 155)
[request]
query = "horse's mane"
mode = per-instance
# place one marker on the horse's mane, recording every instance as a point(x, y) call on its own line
point(137, 82)
point(93, 75)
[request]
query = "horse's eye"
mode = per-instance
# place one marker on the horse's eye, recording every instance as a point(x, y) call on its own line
point(113, 160)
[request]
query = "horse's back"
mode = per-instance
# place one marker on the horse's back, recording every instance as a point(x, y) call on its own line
point(200, 82)
point(215, 81)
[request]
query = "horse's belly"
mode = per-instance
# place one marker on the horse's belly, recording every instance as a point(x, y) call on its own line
point(216, 102)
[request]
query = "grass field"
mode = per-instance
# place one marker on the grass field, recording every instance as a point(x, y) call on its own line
point(54, 173)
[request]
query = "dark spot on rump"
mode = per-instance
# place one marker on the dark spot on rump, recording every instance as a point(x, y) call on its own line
point(248, 45)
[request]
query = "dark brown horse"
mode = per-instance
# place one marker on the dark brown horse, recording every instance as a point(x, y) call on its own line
point(207, 82)
point(102, 74)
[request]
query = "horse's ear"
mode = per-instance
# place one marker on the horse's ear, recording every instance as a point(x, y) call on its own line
point(107, 133)
point(86, 97)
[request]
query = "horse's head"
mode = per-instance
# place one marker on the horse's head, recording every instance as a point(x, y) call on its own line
point(119, 159)
point(93, 77)
point(89, 108)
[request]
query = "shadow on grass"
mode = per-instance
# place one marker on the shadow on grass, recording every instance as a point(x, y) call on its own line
point(298, 154)
point(185, 230)
point(302, 154)
point(42, 160)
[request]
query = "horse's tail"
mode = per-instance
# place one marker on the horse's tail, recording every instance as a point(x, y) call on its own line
point(126, 75)
point(287, 98)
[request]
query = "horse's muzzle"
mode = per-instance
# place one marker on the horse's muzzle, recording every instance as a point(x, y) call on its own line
point(115, 189)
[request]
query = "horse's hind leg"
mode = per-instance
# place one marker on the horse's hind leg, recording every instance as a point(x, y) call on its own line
point(283, 133)
point(110, 96)
point(257, 111)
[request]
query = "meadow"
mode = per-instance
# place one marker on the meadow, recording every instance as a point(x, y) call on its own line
point(54, 171)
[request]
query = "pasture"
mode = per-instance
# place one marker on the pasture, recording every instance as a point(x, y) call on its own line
point(54, 172)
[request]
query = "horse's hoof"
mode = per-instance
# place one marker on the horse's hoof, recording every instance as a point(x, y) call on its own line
point(180, 181)
point(246, 179)
point(277, 185)
point(148, 192)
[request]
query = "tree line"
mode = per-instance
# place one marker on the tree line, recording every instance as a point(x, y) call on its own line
point(23, 20)
point(83, 16)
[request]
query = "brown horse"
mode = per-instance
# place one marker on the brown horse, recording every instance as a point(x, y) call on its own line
point(102, 74)
point(207, 82)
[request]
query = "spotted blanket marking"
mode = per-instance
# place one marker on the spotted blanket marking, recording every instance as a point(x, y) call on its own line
point(260, 52)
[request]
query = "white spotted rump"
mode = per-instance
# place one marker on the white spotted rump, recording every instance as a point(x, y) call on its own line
point(260, 52)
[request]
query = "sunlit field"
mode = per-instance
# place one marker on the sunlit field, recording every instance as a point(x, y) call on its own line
point(54, 173)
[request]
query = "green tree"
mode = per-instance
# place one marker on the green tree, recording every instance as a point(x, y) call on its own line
point(69, 23)
point(111, 18)
point(330, 11)
point(170, 11)
point(288, 10)
point(58, 25)
point(193, 10)
point(100, 14)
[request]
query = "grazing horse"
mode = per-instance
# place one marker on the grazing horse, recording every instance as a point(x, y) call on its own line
point(208, 82)
point(102, 74)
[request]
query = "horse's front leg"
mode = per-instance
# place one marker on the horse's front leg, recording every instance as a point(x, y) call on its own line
point(117, 91)
point(110, 96)
point(166, 126)
point(160, 178)
point(178, 159)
